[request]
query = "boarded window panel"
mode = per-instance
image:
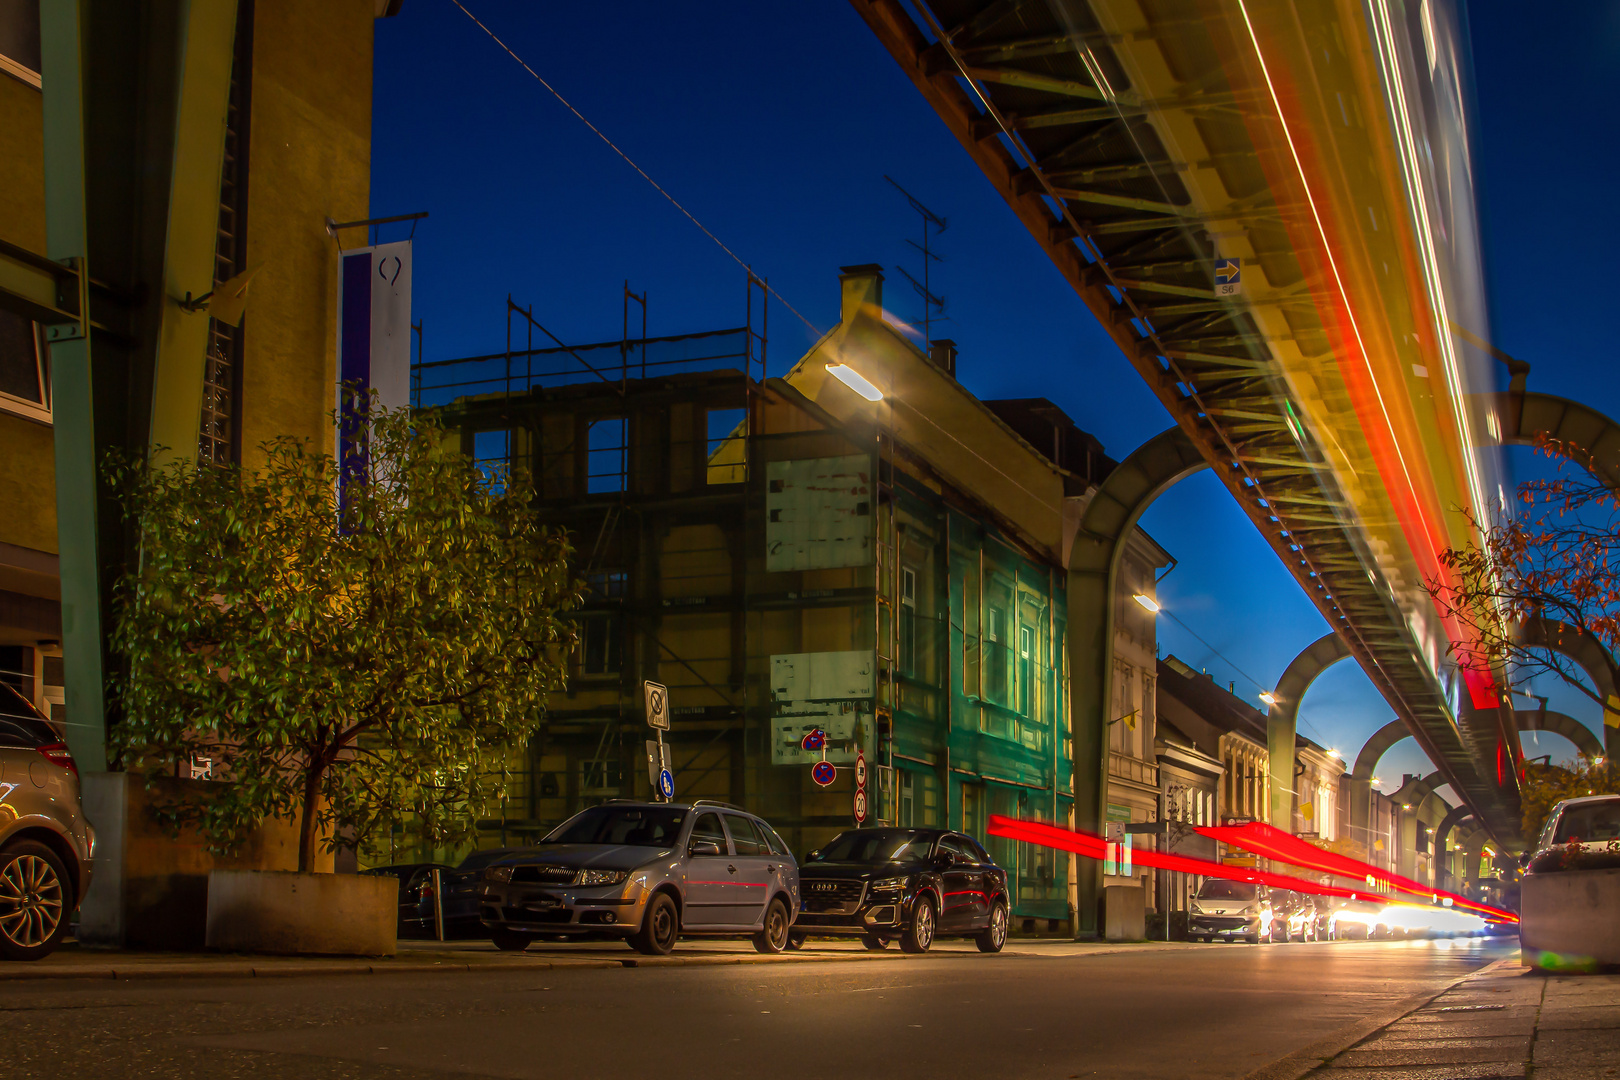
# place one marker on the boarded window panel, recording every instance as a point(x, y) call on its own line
point(818, 513)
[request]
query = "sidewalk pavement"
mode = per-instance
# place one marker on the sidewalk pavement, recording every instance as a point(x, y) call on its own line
point(418, 957)
point(1500, 1022)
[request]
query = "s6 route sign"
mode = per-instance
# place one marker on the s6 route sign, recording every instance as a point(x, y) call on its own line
point(824, 773)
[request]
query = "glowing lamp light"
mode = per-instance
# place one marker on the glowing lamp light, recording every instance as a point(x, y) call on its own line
point(1268, 697)
point(1335, 754)
point(1147, 601)
point(855, 381)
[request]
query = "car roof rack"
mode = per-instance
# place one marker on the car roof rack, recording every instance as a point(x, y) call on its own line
point(717, 802)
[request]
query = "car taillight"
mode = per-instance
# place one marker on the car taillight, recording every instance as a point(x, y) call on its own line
point(57, 754)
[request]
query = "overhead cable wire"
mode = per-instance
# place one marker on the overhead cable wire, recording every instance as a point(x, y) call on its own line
point(814, 329)
point(1258, 684)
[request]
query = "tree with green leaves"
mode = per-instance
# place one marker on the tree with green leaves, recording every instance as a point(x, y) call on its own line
point(356, 666)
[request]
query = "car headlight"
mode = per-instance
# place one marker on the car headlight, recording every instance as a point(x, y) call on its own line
point(498, 875)
point(1196, 908)
point(601, 877)
point(889, 884)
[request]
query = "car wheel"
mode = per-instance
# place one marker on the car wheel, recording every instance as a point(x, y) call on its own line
point(795, 942)
point(1253, 939)
point(874, 943)
point(774, 937)
point(34, 901)
point(510, 940)
point(660, 926)
point(920, 934)
point(994, 935)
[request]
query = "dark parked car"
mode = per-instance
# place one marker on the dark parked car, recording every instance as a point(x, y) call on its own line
point(913, 885)
point(459, 885)
point(415, 894)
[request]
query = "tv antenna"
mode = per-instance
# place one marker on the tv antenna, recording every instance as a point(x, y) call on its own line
point(932, 226)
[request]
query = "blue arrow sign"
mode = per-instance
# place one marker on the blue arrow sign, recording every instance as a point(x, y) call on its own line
point(666, 784)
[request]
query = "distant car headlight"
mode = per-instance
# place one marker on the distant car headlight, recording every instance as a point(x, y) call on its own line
point(889, 884)
point(601, 877)
point(498, 875)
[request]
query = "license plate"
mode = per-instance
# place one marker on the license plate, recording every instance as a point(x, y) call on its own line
point(544, 905)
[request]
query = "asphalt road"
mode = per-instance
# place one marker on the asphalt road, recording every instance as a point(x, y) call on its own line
point(1215, 1011)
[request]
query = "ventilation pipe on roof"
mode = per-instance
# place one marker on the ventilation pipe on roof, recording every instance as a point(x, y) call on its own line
point(943, 353)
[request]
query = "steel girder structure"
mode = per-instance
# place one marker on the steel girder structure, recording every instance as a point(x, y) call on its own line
point(1139, 143)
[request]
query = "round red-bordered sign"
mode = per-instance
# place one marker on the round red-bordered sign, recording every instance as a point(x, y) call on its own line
point(860, 806)
point(823, 772)
point(860, 769)
point(814, 739)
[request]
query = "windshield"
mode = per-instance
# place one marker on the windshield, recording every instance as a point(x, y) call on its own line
point(878, 846)
point(633, 826)
point(1589, 823)
point(1227, 890)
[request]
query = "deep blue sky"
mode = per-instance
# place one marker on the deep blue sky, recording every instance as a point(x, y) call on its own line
point(774, 123)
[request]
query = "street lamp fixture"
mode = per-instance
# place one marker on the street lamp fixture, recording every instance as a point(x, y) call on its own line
point(1335, 754)
point(1147, 601)
point(1268, 697)
point(855, 381)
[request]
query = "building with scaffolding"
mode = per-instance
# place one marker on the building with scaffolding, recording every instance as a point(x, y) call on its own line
point(859, 545)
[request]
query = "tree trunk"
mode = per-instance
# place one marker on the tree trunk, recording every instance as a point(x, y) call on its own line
point(309, 818)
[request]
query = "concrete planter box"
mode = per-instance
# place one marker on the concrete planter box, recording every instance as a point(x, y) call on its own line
point(1573, 915)
point(270, 911)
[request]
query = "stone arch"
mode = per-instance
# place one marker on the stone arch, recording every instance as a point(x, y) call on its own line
point(1560, 724)
point(1093, 573)
point(1282, 719)
point(1442, 833)
point(1589, 655)
point(1376, 746)
point(1526, 416)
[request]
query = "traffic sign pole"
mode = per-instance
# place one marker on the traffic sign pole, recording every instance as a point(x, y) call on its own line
point(659, 771)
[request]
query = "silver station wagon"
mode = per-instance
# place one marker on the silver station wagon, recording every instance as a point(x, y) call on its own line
point(649, 873)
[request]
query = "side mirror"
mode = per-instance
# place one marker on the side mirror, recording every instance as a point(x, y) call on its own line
point(704, 847)
point(944, 860)
point(814, 856)
point(1524, 861)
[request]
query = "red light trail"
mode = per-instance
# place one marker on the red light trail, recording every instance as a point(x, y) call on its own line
point(1257, 837)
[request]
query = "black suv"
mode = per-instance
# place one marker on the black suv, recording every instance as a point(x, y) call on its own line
point(910, 884)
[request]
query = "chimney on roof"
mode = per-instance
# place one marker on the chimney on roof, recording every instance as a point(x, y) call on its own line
point(859, 286)
point(942, 352)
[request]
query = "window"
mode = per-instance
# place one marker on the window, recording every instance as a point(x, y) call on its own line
point(959, 846)
point(25, 380)
point(995, 656)
point(637, 826)
point(908, 798)
point(19, 39)
point(908, 621)
point(600, 778)
point(492, 451)
point(707, 827)
point(727, 448)
point(1026, 669)
point(601, 649)
point(778, 845)
point(601, 633)
point(607, 444)
point(745, 838)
